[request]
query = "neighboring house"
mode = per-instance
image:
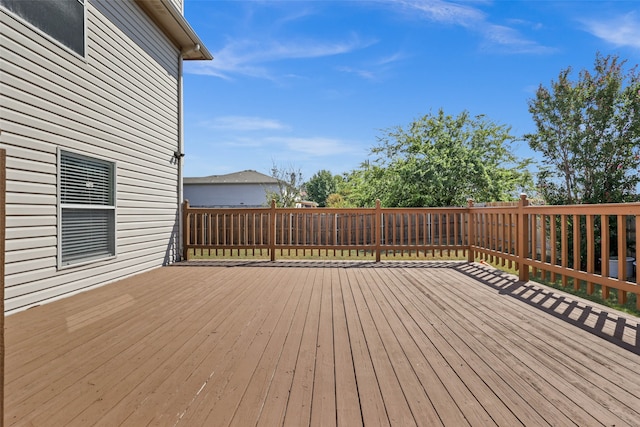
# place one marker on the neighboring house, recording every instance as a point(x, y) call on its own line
point(90, 117)
point(240, 189)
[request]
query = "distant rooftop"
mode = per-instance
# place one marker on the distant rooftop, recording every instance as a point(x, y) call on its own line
point(244, 177)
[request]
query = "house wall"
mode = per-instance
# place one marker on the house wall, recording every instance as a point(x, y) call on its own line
point(119, 103)
point(227, 195)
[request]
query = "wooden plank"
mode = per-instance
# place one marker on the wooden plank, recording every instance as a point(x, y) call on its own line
point(159, 376)
point(468, 388)
point(347, 402)
point(112, 372)
point(238, 348)
point(275, 402)
point(468, 346)
point(323, 405)
point(250, 406)
point(566, 362)
point(301, 394)
point(390, 330)
point(241, 404)
point(522, 385)
point(395, 402)
point(436, 382)
point(44, 330)
point(200, 355)
point(371, 401)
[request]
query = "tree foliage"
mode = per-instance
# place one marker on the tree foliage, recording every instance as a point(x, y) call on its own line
point(321, 185)
point(440, 160)
point(290, 185)
point(588, 133)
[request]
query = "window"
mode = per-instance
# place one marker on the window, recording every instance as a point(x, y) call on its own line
point(61, 20)
point(87, 210)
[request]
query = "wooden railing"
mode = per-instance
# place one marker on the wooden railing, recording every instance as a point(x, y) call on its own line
point(362, 231)
point(571, 244)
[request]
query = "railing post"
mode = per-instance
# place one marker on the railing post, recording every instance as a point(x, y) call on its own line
point(272, 231)
point(471, 257)
point(186, 230)
point(378, 229)
point(523, 239)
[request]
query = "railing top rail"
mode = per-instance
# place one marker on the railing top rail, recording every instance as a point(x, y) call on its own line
point(228, 210)
point(584, 209)
point(497, 209)
point(325, 210)
point(425, 209)
point(600, 209)
point(328, 210)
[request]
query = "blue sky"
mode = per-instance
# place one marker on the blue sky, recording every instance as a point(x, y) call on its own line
point(313, 84)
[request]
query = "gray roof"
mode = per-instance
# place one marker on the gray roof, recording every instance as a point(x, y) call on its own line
point(244, 177)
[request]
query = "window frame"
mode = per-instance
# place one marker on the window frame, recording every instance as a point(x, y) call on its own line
point(61, 206)
point(52, 39)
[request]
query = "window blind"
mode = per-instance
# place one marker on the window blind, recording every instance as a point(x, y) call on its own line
point(87, 197)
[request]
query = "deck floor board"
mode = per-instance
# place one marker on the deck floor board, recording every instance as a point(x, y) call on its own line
point(322, 343)
point(525, 347)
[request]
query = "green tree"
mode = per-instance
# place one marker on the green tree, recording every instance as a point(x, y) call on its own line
point(290, 186)
point(361, 187)
point(336, 200)
point(441, 160)
point(588, 133)
point(321, 185)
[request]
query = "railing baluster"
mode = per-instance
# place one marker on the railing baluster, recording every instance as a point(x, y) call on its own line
point(554, 244)
point(533, 224)
point(591, 253)
point(564, 256)
point(576, 249)
point(622, 256)
point(635, 225)
point(604, 253)
point(543, 244)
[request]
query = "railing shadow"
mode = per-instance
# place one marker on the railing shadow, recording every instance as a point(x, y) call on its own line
point(568, 308)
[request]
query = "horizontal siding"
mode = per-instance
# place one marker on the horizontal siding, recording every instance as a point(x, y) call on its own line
point(16, 223)
point(75, 78)
point(48, 290)
point(119, 103)
point(22, 230)
point(29, 277)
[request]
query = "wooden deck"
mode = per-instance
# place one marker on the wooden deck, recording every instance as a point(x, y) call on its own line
point(322, 343)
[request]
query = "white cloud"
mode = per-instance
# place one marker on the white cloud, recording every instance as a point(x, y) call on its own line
point(244, 123)
point(251, 57)
point(506, 39)
point(365, 74)
point(398, 56)
point(622, 30)
point(501, 37)
point(445, 12)
point(314, 146)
